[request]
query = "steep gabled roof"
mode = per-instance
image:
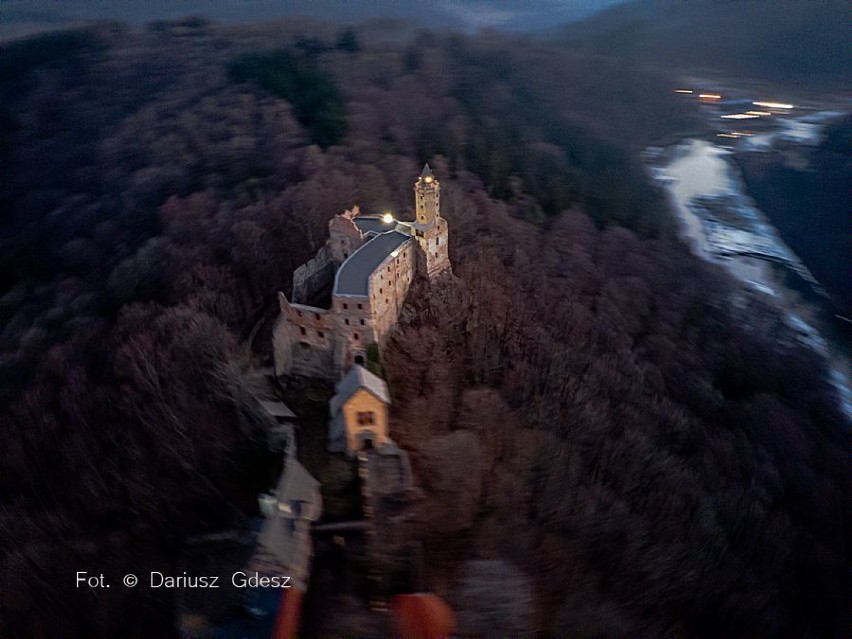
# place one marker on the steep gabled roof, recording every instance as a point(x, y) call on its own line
point(426, 171)
point(358, 377)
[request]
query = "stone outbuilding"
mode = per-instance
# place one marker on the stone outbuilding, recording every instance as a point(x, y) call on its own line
point(358, 412)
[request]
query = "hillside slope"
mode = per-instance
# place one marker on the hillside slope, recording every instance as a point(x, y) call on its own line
point(797, 42)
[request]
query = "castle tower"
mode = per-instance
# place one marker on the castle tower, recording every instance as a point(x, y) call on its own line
point(427, 194)
point(430, 229)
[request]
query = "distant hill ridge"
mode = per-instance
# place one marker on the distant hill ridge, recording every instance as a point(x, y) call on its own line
point(792, 42)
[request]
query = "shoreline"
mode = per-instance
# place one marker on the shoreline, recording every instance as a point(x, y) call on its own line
point(742, 239)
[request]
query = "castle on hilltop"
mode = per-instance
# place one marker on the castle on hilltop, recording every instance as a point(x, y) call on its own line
point(370, 262)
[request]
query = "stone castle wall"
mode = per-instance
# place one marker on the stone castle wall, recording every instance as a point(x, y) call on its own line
point(305, 340)
point(389, 286)
point(325, 342)
point(314, 279)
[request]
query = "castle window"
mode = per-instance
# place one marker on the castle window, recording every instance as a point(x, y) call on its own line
point(320, 333)
point(345, 306)
point(389, 268)
point(437, 241)
point(362, 322)
point(356, 336)
point(303, 331)
point(345, 254)
point(380, 291)
point(366, 418)
point(360, 306)
point(299, 313)
point(316, 316)
point(386, 301)
point(347, 322)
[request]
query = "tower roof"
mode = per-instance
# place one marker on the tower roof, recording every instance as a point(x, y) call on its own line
point(427, 172)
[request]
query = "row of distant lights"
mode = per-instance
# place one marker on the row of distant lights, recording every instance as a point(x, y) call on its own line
point(748, 115)
point(740, 116)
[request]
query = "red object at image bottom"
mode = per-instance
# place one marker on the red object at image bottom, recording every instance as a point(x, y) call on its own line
point(423, 616)
point(289, 612)
point(418, 616)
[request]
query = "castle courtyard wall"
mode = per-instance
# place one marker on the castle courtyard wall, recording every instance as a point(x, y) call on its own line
point(389, 285)
point(304, 340)
point(313, 279)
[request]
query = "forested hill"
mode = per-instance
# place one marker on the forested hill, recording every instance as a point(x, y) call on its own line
point(643, 442)
point(799, 44)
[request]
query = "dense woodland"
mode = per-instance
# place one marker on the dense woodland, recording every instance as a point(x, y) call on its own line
point(587, 405)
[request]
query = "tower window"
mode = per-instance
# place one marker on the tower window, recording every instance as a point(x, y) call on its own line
point(362, 322)
point(387, 301)
point(366, 418)
point(345, 306)
point(355, 336)
point(380, 291)
point(437, 241)
point(302, 330)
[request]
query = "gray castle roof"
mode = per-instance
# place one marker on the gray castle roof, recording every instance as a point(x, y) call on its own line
point(353, 276)
point(366, 223)
point(358, 377)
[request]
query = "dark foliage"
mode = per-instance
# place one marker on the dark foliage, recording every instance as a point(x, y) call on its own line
point(316, 100)
point(636, 437)
point(19, 58)
point(653, 458)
